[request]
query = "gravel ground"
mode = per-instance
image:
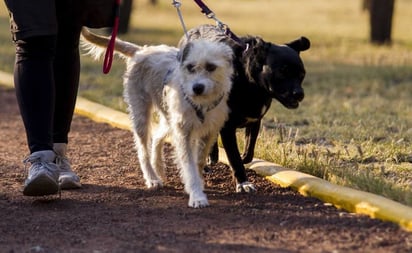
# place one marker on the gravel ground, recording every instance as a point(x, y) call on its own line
point(114, 212)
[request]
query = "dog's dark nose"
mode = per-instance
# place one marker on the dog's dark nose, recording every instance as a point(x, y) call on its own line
point(298, 94)
point(198, 88)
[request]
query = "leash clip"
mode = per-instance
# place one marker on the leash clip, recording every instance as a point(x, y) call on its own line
point(177, 4)
point(210, 15)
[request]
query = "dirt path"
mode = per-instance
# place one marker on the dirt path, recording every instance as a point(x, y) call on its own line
point(113, 212)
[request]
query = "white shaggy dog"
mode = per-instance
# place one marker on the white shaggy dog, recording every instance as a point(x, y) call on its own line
point(188, 89)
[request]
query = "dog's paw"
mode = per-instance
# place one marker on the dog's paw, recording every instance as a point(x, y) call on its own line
point(154, 184)
point(198, 200)
point(245, 187)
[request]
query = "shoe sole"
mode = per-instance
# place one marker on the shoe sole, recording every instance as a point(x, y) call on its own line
point(40, 186)
point(66, 184)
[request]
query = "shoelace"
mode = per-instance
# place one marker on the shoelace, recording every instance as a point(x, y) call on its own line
point(36, 160)
point(62, 160)
point(32, 160)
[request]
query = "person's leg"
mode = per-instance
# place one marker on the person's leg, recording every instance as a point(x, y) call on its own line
point(71, 16)
point(34, 28)
point(66, 73)
point(34, 85)
point(46, 88)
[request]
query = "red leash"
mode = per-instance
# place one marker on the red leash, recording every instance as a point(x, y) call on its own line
point(108, 58)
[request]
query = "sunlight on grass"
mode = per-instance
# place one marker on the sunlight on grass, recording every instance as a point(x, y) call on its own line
point(354, 126)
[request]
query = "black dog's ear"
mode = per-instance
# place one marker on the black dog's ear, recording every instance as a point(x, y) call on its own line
point(255, 58)
point(300, 44)
point(184, 52)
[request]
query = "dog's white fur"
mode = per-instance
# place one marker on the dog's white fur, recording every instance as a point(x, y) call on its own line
point(188, 89)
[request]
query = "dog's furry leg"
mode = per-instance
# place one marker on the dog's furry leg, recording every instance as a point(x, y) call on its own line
point(152, 179)
point(230, 145)
point(158, 141)
point(205, 149)
point(140, 114)
point(189, 170)
point(251, 134)
point(214, 154)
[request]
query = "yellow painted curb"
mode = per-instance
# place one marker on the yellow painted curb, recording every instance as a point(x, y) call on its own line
point(349, 199)
point(342, 197)
point(84, 107)
point(100, 113)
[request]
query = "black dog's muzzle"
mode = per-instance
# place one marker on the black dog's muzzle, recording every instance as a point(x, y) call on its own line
point(298, 94)
point(290, 99)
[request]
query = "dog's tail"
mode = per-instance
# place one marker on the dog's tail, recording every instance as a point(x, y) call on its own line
point(96, 45)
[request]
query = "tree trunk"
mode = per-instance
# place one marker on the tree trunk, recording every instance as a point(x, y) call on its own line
point(381, 13)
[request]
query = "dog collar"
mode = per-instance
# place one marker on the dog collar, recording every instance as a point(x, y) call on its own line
point(200, 110)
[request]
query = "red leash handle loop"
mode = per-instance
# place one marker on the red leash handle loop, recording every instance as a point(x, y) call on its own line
point(108, 58)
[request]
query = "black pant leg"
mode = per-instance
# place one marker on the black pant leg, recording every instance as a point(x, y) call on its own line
point(66, 73)
point(34, 83)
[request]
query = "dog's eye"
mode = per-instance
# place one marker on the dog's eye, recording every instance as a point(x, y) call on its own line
point(190, 68)
point(210, 67)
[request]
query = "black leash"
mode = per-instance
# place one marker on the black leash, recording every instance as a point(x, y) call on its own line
point(211, 15)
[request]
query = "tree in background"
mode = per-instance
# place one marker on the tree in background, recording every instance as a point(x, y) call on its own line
point(380, 18)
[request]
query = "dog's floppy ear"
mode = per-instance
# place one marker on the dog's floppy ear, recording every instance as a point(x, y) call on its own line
point(255, 58)
point(300, 44)
point(184, 52)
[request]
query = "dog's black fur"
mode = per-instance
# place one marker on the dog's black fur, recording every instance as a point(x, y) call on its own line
point(263, 72)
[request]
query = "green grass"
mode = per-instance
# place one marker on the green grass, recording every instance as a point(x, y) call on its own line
point(354, 127)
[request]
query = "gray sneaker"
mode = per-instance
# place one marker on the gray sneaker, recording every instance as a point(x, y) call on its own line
point(43, 174)
point(67, 178)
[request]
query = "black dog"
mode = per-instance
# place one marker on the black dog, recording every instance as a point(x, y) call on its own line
point(263, 71)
